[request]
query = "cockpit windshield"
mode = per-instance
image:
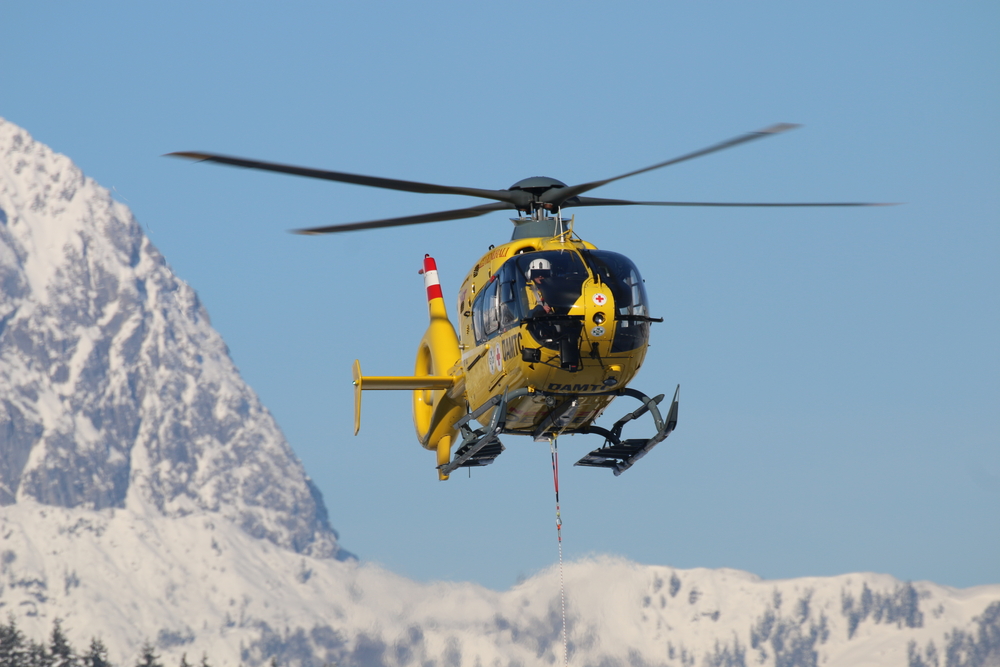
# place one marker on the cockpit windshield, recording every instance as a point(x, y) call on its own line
point(527, 286)
point(553, 280)
point(549, 283)
point(626, 284)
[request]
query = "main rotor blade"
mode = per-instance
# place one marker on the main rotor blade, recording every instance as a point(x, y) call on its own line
point(356, 179)
point(455, 214)
point(597, 201)
point(562, 194)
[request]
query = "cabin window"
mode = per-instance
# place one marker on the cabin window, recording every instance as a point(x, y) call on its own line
point(491, 314)
point(511, 310)
point(486, 312)
point(499, 305)
point(479, 317)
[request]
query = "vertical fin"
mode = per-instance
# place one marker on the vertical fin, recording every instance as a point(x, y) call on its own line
point(435, 299)
point(356, 372)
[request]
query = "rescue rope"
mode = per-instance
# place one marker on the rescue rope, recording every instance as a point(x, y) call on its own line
point(562, 582)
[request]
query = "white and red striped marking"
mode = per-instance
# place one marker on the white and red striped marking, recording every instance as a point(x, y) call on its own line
point(431, 281)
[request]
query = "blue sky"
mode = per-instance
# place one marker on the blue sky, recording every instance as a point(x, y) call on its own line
point(839, 367)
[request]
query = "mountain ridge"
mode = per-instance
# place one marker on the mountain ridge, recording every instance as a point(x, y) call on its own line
point(197, 584)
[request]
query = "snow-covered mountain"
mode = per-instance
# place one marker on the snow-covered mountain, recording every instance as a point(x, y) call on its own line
point(197, 584)
point(146, 494)
point(115, 391)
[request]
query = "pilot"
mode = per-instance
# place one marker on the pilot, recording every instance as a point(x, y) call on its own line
point(539, 272)
point(552, 332)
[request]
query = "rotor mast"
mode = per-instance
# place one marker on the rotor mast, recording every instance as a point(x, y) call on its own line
point(537, 219)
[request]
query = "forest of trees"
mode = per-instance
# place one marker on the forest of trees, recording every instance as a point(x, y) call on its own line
point(16, 650)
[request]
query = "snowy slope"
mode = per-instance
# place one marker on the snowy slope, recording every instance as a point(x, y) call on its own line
point(146, 494)
point(195, 584)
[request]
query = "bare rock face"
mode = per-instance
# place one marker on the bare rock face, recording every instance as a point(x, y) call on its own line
point(115, 391)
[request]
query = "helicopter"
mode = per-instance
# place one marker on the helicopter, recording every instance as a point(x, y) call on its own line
point(550, 331)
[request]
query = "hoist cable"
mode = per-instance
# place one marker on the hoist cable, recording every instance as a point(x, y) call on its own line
point(562, 582)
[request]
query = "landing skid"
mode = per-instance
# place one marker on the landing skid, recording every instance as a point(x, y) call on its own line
point(481, 446)
point(620, 455)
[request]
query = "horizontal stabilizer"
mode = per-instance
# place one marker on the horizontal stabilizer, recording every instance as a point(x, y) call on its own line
point(407, 382)
point(388, 382)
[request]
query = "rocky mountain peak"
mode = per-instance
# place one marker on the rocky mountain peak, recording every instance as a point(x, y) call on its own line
point(115, 391)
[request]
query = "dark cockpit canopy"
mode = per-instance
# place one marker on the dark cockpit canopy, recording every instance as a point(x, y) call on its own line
point(556, 278)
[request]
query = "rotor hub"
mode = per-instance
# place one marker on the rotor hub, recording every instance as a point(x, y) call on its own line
point(537, 185)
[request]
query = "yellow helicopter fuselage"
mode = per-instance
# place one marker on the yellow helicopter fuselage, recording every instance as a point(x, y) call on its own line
point(550, 331)
point(492, 351)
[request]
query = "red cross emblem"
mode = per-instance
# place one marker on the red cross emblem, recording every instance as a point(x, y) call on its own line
point(600, 299)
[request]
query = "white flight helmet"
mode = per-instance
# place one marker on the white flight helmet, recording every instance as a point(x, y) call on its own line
point(539, 267)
